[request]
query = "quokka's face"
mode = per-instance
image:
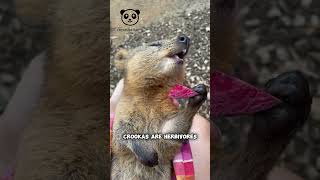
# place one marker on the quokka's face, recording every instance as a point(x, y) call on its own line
point(159, 60)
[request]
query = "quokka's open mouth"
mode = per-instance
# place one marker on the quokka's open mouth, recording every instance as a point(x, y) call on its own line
point(180, 55)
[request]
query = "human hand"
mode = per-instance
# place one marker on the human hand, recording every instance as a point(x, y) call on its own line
point(116, 96)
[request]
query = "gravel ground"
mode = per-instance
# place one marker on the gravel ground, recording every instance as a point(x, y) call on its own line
point(195, 23)
point(278, 36)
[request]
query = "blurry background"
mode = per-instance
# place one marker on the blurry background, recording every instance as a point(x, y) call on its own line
point(163, 19)
point(18, 44)
point(278, 36)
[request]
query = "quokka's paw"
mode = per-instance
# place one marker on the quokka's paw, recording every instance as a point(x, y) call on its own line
point(283, 120)
point(146, 155)
point(197, 100)
point(291, 87)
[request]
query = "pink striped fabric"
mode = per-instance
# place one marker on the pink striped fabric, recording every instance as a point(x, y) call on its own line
point(183, 163)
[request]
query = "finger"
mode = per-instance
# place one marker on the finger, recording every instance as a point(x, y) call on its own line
point(116, 95)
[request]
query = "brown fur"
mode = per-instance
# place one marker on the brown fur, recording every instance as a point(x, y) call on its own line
point(67, 137)
point(146, 108)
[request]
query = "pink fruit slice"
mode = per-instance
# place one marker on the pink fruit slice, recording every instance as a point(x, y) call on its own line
point(231, 96)
point(180, 91)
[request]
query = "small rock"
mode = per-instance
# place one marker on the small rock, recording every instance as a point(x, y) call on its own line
point(300, 149)
point(5, 93)
point(315, 56)
point(294, 54)
point(244, 11)
point(252, 39)
point(282, 53)
point(264, 54)
point(299, 20)
point(252, 22)
point(264, 75)
point(4, 6)
point(306, 3)
point(290, 150)
point(28, 44)
point(301, 43)
point(113, 37)
point(316, 43)
point(318, 163)
point(3, 104)
point(7, 78)
point(274, 12)
point(315, 108)
point(207, 28)
point(314, 134)
point(16, 25)
point(312, 173)
point(286, 20)
point(314, 20)
point(318, 90)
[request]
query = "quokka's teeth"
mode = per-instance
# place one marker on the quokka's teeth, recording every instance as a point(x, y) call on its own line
point(184, 51)
point(176, 56)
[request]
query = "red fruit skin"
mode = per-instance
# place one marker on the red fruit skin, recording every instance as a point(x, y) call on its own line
point(180, 91)
point(231, 97)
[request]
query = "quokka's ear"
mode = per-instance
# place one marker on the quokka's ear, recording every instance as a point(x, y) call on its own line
point(121, 58)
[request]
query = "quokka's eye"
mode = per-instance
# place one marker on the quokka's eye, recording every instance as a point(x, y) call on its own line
point(158, 44)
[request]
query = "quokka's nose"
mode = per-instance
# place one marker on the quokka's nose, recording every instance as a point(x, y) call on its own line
point(183, 39)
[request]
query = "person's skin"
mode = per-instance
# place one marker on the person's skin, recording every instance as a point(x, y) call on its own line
point(200, 148)
point(17, 114)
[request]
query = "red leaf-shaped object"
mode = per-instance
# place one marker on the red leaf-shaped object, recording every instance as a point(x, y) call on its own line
point(180, 91)
point(231, 96)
